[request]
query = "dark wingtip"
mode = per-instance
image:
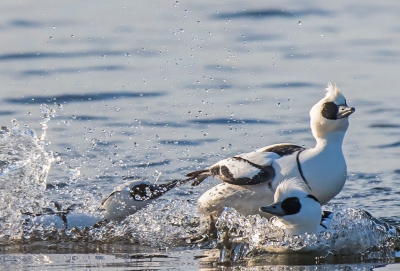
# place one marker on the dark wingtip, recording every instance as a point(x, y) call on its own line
point(198, 176)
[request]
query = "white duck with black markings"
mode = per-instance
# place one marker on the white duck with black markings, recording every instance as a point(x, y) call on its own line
point(250, 179)
point(298, 212)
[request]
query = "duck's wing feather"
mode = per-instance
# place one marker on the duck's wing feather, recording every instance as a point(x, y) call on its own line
point(246, 169)
point(282, 149)
point(144, 191)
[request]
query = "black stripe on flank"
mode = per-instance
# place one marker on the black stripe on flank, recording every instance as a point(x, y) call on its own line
point(300, 170)
point(322, 225)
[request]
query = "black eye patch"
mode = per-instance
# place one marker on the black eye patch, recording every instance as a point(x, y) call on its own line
point(291, 206)
point(330, 110)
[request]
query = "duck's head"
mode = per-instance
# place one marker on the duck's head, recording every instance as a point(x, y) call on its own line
point(299, 211)
point(330, 114)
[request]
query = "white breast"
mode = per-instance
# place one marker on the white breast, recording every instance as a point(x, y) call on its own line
point(325, 172)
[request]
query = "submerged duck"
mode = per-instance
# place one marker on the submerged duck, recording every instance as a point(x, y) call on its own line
point(125, 200)
point(298, 212)
point(250, 179)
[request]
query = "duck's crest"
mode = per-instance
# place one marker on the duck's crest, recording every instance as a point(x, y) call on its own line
point(290, 187)
point(332, 90)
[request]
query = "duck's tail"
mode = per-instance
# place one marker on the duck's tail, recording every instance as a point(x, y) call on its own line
point(198, 176)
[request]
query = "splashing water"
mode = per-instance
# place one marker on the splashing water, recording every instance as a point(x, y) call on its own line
point(169, 223)
point(351, 232)
point(165, 223)
point(24, 167)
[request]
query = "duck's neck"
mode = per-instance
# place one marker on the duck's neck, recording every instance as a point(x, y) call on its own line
point(330, 140)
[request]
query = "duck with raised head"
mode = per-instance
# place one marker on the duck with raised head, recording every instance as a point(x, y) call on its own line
point(250, 180)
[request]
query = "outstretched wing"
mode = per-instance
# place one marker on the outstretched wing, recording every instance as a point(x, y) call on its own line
point(145, 191)
point(248, 168)
point(133, 196)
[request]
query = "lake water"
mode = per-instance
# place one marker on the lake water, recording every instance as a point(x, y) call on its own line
point(147, 87)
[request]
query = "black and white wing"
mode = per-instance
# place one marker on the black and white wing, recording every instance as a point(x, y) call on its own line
point(248, 168)
point(139, 190)
point(133, 196)
point(282, 149)
point(146, 191)
point(244, 169)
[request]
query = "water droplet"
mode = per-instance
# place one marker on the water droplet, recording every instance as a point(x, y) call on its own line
point(73, 173)
point(148, 191)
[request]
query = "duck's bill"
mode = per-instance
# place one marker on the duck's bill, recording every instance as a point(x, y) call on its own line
point(345, 111)
point(273, 209)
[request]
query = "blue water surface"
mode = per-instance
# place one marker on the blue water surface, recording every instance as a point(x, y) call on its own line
point(143, 87)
